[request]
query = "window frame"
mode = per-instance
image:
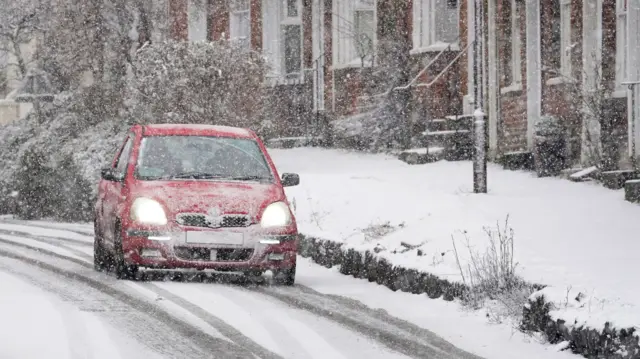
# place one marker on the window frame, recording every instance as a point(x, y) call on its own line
point(515, 44)
point(284, 21)
point(424, 35)
point(344, 51)
point(360, 8)
point(234, 23)
point(622, 40)
point(565, 38)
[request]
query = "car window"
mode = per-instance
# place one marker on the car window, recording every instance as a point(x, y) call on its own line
point(123, 159)
point(201, 158)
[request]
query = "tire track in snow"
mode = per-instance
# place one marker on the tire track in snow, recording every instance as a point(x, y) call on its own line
point(94, 311)
point(86, 233)
point(396, 334)
point(41, 237)
point(224, 328)
point(207, 343)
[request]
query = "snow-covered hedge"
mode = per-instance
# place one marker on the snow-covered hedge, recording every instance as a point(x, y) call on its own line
point(201, 82)
point(540, 313)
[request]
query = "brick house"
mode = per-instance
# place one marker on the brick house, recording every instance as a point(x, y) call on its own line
point(540, 58)
point(560, 57)
point(321, 51)
point(274, 28)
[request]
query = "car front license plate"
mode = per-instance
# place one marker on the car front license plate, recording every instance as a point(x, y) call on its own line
point(215, 238)
point(213, 254)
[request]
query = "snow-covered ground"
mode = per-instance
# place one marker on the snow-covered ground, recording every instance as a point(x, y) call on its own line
point(259, 317)
point(575, 237)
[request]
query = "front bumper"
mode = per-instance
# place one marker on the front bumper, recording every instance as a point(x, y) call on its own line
point(171, 250)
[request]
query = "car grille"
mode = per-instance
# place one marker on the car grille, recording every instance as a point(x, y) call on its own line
point(204, 254)
point(202, 220)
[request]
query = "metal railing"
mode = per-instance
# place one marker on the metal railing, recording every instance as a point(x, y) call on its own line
point(415, 78)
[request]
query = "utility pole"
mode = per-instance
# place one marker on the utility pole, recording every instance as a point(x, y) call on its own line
point(479, 123)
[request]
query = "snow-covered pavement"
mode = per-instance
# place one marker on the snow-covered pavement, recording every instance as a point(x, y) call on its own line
point(51, 296)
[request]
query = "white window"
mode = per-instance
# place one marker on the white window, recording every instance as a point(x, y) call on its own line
point(364, 30)
point(317, 38)
point(510, 45)
point(565, 38)
point(621, 43)
point(282, 37)
point(240, 23)
point(291, 32)
point(197, 20)
point(435, 23)
point(354, 32)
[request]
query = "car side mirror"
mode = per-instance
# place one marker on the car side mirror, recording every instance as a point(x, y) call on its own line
point(109, 174)
point(290, 179)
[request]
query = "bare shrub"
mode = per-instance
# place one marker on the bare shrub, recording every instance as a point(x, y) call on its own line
point(491, 275)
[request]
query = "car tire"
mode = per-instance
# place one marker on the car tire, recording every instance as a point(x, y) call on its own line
point(121, 268)
point(99, 256)
point(286, 277)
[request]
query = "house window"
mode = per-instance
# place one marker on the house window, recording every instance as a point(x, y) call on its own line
point(364, 30)
point(554, 49)
point(354, 32)
point(565, 38)
point(510, 44)
point(197, 20)
point(621, 42)
point(291, 32)
point(292, 8)
point(435, 22)
point(240, 23)
point(559, 52)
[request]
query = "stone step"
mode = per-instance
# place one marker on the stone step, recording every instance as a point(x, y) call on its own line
point(439, 138)
point(418, 156)
point(458, 145)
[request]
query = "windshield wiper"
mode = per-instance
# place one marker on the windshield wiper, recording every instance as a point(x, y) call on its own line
point(196, 175)
point(250, 178)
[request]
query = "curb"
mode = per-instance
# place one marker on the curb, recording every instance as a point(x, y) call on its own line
point(590, 343)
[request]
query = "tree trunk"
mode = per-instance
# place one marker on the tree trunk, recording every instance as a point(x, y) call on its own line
point(22, 67)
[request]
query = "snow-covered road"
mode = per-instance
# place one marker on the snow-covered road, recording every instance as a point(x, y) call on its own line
point(53, 304)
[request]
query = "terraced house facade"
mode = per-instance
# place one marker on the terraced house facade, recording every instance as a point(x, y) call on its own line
point(573, 59)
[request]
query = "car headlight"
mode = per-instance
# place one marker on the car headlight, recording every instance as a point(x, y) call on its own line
point(148, 211)
point(276, 215)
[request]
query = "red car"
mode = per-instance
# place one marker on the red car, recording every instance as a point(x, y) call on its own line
point(195, 196)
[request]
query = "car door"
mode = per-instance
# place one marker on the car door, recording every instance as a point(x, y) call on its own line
point(114, 191)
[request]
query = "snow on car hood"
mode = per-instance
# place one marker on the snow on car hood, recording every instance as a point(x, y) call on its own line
point(200, 196)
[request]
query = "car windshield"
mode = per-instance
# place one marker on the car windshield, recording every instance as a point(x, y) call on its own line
point(201, 158)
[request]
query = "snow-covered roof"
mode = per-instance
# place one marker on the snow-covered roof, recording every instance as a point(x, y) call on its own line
point(196, 129)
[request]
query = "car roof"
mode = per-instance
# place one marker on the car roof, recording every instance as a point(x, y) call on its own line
point(195, 130)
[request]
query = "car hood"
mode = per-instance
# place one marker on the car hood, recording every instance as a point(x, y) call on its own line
point(200, 196)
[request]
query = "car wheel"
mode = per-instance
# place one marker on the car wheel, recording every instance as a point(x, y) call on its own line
point(285, 277)
point(121, 268)
point(99, 255)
